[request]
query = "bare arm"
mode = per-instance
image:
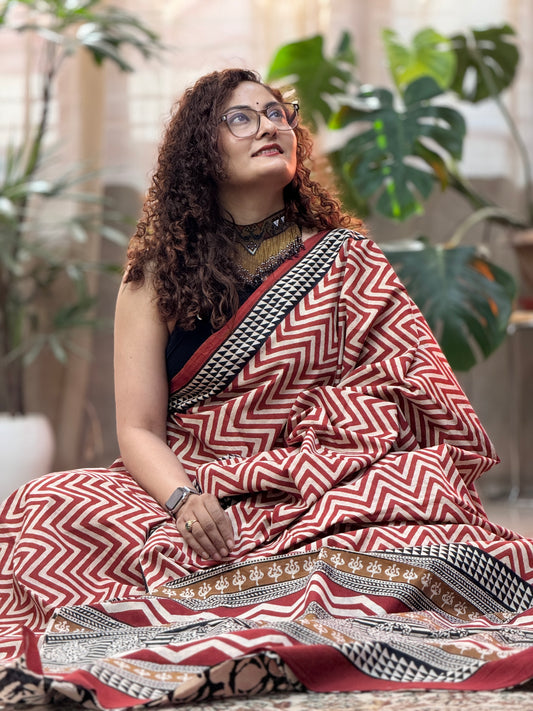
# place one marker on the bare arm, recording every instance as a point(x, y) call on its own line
point(141, 396)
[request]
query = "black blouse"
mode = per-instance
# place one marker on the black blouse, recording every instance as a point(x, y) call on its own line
point(182, 344)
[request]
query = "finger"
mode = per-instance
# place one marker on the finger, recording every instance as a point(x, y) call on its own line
point(221, 530)
point(196, 537)
point(212, 532)
point(207, 534)
point(209, 537)
point(190, 530)
point(214, 521)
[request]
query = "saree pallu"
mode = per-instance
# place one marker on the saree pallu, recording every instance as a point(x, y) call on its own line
point(326, 419)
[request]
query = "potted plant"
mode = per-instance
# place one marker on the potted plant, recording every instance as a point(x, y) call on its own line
point(40, 248)
point(396, 144)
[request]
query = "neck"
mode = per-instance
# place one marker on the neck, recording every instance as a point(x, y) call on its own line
point(248, 211)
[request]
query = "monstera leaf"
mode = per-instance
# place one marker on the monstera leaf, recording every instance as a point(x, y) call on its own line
point(486, 62)
point(386, 162)
point(465, 298)
point(351, 198)
point(314, 76)
point(430, 54)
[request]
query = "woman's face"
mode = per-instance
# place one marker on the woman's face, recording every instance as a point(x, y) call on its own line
point(267, 159)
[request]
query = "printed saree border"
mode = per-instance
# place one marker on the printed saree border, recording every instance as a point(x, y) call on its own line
point(216, 363)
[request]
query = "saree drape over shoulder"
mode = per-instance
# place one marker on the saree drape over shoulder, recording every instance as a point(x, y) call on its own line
point(327, 420)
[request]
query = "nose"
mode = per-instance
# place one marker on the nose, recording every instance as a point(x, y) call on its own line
point(266, 126)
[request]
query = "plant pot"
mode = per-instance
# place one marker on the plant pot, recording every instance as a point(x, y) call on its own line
point(26, 450)
point(523, 245)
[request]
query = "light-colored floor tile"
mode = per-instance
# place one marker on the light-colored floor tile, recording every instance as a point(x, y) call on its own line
point(518, 515)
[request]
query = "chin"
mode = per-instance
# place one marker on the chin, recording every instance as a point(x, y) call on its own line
point(281, 175)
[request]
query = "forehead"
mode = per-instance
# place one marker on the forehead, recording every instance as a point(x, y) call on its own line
point(248, 93)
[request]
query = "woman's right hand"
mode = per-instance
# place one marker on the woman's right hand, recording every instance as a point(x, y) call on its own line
point(206, 527)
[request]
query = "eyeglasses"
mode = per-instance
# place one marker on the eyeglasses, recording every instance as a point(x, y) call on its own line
point(244, 122)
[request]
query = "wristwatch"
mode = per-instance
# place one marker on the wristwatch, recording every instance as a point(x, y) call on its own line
point(178, 497)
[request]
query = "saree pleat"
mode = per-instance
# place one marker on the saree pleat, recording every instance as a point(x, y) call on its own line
point(327, 420)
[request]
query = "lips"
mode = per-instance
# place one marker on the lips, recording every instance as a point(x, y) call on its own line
point(270, 149)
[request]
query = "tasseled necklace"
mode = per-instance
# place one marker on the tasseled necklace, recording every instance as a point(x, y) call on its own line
point(263, 246)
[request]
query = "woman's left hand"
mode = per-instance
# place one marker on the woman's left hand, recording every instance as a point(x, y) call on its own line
point(206, 527)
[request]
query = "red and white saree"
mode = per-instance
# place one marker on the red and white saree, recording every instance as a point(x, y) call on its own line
point(328, 420)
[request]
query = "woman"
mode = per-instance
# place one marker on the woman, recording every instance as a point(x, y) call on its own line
point(245, 164)
point(294, 506)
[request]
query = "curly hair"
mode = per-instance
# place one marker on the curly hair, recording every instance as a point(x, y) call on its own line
point(181, 240)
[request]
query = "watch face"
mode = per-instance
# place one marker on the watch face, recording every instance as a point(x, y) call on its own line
point(177, 496)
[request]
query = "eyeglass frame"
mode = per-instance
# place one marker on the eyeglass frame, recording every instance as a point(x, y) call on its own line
point(295, 105)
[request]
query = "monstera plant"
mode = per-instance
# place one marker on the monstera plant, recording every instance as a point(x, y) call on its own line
point(396, 144)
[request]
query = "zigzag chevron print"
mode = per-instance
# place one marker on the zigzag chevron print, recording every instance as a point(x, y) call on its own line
point(345, 453)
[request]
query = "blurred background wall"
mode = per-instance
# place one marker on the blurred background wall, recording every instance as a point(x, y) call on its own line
point(114, 121)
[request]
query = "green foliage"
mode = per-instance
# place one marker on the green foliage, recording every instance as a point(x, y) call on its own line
point(39, 249)
point(430, 55)
point(331, 88)
point(37, 253)
point(392, 165)
point(379, 161)
point(465, 298)
point(397, 142)
point(486, 62)
point(316, 77)
point(105, 31)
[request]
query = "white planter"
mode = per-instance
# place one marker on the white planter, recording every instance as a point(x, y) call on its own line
point(26, 450)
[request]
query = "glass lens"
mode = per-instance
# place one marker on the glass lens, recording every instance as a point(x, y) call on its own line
point(278, 114)
point(242, 122)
